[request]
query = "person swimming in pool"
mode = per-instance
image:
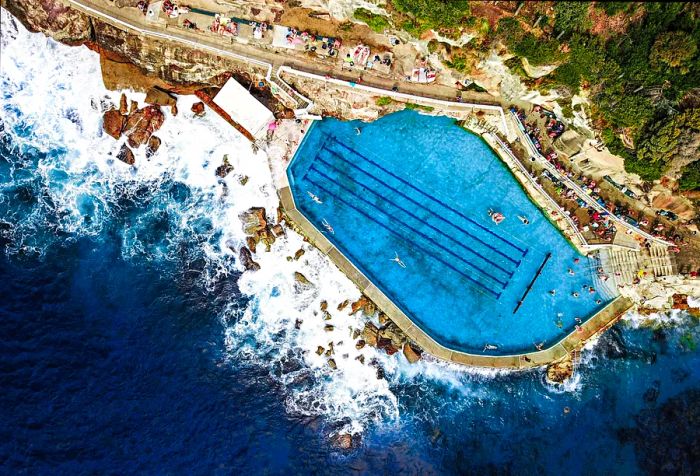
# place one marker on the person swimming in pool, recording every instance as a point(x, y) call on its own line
point(315, 198)
point(358, 131)
point(327, 226)
point(524, 220)
point(398, 261)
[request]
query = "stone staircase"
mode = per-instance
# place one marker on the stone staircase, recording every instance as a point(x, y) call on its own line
point(288, 95)
point(623, 266)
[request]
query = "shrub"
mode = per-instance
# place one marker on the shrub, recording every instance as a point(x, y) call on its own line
point(690, 180)
point(383, 101)
point(376, 22)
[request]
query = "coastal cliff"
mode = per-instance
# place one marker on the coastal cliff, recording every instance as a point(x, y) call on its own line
point(128, 60)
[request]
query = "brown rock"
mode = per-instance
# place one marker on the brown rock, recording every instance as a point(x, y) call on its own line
point(113, 123)
point(393, 334)
point(387, 346)
point(300, 252)
point(126, 155)
point(161, 97)
point(680, 301)
point(364, 304)
point(329, 327)
point(250, 241)
point(359, 344)
point(324, 305)
point(133, 107)
point(152, 146)
point(142, 124)
point(327, 316)
point(198, 109)
point(243, 180)
point(561, 371)
point(411, 353)
point(360, 358)
point(331, 364)
point(343, 304)
point(247, 260)
point(277, 230)
point(320, 350)
point(123, 107)
point(383, 319)
point(254, 220)
point(300, 278)
point(370, 334)
point(173, 109)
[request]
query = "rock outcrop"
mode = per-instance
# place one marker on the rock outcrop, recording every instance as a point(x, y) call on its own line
point(561, 371)
point(113, 123)
point(53, 18)
point(246, 258)
point(160, 97)
point(411, 353)
point(152, 146)
point(141, 125)
point(225, 168)
point(126, 155)
point(198, 109)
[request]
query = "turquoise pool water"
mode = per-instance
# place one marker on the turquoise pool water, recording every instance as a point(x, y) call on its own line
point(420, 187)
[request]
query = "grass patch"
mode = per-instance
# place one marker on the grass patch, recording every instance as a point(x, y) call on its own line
point(475, 87)
point(383, 101)
point(418, 107)
point(377, 23)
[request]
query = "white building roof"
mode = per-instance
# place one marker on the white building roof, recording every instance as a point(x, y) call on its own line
point(243, 108)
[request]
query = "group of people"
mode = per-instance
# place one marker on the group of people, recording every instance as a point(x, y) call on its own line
point(171, 9)
point(224, 26)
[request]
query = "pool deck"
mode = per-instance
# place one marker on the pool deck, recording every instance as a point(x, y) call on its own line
point(594, 326)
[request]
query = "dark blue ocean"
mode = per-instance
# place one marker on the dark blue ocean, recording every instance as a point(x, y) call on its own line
point(132, 343)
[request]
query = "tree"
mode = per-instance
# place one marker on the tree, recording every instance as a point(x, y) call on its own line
point(676, 140)
point(673, 48)
point(629, 111)
point(690, 180)
point(434, 13)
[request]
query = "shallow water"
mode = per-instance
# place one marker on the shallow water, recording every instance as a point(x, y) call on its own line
point(132, 342)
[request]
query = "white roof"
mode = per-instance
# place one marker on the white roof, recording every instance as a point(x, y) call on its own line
point(243, 108)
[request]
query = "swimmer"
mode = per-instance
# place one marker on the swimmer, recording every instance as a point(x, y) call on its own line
point(398, 261)
point(553, 292)
point(358, 131)
point(490, 347)
point(591, 290)
point(578, 320)
point(539, 346)
point(574, 294)
point(559, 323)
point(576, 260)
point(598, 301)
point(571, 272)
point(567, 409)
point(327, 226)
point(315, 198)
point(524, 220)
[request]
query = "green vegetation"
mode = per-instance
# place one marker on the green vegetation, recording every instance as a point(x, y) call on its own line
point(571, 16)
point(538, 51)
point(436, 14)
point(376, 22)
point(383, 101)
point(673, 48)
point(613, 8)
point(418, 107)
point(690, 180)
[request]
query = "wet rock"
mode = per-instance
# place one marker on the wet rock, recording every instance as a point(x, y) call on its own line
point(343, 304)
point(173, 110)
point(297, 324)
point(198, 109)
point(370, 334)
point(343, 441)
point(364, 304)
point(160, 97)
point(356, 333)
point(277, 230)
point(247, 260)
point(326, 316)
point(243, 180)
point(141, 125)
point(359, 344)
point(254, 220)
point(324, 305)
point(300, 252)
point(301, 279)
point(411, 353)
point(133, 107)
point(393, 334)
point(225, 168)
point(126, 155)
point(561, 371)
point(360, 358)
point(113, 123)
point(329, 327)
point(680, 301)
point(332, 364)
point(320, 350)
point(252, 244)
point(152, 146)
point(267, 238)
point(280, 214)
point(383, 319)
point(380, 373)
point(652, 393)
point(123, 106)
point(387, 346)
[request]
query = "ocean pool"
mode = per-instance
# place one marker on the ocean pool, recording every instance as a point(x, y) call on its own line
point(420, 187)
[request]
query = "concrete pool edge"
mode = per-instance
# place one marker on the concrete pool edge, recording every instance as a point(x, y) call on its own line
point(593, 326)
